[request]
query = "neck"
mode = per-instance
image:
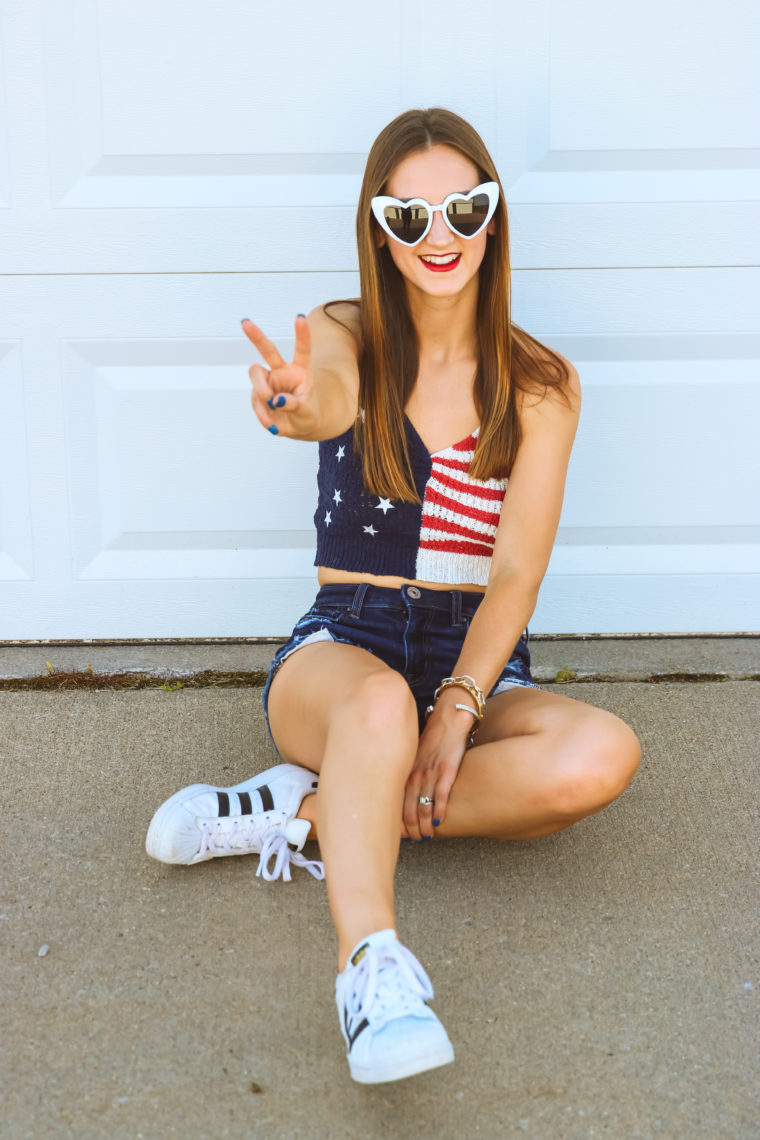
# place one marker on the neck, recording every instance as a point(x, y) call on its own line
point(446, 326)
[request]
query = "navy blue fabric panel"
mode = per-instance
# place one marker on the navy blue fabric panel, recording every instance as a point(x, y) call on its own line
point(360, 532)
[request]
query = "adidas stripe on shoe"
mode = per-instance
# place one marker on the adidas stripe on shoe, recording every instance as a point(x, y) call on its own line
point(389, 1030)
point(256, 817)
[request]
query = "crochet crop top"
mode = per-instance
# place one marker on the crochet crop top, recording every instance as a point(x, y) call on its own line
point(448, 537)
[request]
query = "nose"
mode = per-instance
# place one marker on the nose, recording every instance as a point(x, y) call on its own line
point(440, 234)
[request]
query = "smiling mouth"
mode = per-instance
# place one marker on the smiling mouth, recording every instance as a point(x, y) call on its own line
point(441, 263)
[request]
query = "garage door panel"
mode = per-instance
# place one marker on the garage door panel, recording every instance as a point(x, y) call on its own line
point(163, 496)
point(4, 129)
point(642, 603)
point(689, 85)
point(16, 555)
point(166, 307)
point(621, 114)
point(647, 454)
point(645, 301)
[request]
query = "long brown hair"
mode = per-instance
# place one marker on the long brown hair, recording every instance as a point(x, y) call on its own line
point(509, 357)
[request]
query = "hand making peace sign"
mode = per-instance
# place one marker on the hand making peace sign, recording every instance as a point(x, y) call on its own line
point(282, 388)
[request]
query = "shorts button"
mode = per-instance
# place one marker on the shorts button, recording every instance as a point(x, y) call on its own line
point(414, 593)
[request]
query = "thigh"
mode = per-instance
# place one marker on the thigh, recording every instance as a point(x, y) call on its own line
point(317, 681)
point(523, 711)
point(577, 737)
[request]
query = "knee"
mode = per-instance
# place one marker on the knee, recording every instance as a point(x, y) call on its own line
point(598, 763)
point(381, 704)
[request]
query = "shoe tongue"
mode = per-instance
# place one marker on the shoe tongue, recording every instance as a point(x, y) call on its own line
point(379, 938)
point(297, 831)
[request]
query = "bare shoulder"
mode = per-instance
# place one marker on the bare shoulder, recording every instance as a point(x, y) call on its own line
point(559, 403)
point(336, 329)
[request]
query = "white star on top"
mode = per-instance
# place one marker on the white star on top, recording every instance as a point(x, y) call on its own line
point(328, 518)
point(384, 505)
point(336, 496)
point(370, 530)
point(340, 452)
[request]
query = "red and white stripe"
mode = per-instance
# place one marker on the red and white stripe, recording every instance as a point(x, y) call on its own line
point(459, 519)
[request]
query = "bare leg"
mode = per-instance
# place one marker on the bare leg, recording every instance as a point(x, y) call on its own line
point(339, 711)
point(542, 762)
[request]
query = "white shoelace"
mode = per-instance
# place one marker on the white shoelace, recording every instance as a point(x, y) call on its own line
point(276, 843)
point(270, 840)
point(388, 982)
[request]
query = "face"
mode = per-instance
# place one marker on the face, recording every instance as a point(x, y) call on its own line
point(443, 264)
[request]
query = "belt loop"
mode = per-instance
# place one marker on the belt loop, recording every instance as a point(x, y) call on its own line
point(358, 602)
point(456, 607)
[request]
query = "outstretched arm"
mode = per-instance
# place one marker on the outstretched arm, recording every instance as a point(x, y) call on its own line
point(524, 539)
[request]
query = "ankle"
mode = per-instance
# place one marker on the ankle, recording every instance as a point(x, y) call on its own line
point(348, 944)
point(308, 811)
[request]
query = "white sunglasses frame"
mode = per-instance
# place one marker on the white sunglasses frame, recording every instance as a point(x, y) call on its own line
point(381, 201)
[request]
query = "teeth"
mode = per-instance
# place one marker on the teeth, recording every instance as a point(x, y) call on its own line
point(440, 258)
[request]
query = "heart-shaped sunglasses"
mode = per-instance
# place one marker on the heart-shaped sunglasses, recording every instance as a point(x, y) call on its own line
point(465, 214)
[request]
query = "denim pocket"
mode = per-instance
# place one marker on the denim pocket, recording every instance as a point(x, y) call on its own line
point(324, 613)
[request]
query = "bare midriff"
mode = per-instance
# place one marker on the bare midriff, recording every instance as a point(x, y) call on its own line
point(329, 577)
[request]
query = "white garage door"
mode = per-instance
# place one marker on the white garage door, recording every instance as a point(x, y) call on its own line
point(168, 168)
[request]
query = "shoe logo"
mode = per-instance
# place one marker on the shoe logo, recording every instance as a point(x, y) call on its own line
point(244, 798)
point(356, 959)
point(267, 802)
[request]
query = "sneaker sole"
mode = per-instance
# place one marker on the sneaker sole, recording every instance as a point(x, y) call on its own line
point(152, 839)
point(398, 1071)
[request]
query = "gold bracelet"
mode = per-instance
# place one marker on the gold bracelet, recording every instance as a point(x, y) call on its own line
point(470, 686)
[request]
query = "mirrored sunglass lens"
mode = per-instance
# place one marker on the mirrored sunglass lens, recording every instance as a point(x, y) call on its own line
point(467, 215)
point(407, 223)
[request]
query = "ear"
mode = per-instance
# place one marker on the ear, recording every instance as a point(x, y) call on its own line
point(380, 238)
point(491, 227)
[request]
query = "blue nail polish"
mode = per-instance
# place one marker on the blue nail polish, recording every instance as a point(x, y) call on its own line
point(280, 402)
point(300, 314)
point(436, 823)
point(405, 840)
point(274, 429)
point(269, 402)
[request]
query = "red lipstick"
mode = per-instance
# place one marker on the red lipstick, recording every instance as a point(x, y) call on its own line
point(446, 267)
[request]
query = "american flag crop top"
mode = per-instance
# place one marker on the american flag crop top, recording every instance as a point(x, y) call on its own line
point(447, 538)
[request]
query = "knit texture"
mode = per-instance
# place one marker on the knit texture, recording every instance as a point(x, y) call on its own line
point(447, 538)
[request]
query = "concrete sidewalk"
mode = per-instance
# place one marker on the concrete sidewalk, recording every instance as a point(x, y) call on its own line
point(602, 982)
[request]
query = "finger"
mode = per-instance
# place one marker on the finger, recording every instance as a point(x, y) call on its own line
point(411, 814)
point(302, 354)
point(261, 393)
point(284, 402)
point(269, 351)
point(425, 814)
point(442, 792)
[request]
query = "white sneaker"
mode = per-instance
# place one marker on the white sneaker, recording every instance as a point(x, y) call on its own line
point(389, 1031)
point(255, 817)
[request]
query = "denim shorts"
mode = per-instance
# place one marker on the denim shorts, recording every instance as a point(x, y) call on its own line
point(417, 632)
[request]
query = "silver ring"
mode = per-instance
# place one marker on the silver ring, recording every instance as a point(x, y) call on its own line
point(427, 800)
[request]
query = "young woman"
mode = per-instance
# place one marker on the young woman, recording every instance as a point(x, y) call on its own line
point(403, 703)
